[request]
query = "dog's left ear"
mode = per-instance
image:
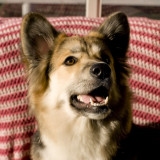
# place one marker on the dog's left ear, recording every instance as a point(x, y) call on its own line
point(116, 32)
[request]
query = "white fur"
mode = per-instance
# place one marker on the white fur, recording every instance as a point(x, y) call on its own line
point(95, 48)
point(77, 144)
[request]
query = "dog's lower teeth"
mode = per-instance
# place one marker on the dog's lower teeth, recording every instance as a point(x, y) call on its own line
point(98, 104)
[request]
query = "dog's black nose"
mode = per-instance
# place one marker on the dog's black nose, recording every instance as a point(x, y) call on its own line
point(100, 71)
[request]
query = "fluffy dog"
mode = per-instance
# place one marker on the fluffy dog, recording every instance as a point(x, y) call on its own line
point(78, 89)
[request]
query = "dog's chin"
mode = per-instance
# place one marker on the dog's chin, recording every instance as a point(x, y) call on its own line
point(93, 104)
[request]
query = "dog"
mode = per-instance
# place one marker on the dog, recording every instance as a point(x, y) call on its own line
point(78, 88)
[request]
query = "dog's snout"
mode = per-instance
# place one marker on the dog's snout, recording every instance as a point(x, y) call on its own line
point(100, 71)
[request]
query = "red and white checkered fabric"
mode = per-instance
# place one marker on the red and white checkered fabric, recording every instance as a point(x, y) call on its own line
point(17, 126)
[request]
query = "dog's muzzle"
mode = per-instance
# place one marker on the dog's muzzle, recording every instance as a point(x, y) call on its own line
point(96, 100)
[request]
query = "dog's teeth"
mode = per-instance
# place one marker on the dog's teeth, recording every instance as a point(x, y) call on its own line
point(80, 98)
point(106, 100)
point(96, 104)
point(91, 101)
point(99, 104)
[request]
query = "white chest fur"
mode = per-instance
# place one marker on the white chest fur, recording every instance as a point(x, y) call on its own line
point(80, 143)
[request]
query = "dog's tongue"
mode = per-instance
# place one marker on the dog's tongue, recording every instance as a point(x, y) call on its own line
point(95, 99)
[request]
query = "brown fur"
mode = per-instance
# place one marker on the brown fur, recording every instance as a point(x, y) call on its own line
point(66, 132)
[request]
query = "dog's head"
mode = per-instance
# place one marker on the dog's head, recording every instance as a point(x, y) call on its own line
point(81, 76)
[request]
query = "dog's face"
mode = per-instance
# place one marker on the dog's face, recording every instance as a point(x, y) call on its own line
point(82, 75)
point(79, 76)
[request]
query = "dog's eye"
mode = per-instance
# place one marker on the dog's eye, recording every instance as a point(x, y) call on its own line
point(106, 59)
point(70, 61)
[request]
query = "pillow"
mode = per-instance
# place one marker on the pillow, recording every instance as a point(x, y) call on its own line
point(16, 123)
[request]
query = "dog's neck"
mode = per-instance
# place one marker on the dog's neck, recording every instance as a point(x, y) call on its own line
point(86, 139)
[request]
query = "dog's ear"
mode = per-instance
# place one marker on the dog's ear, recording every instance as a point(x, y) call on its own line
point(37, 38)
point(116, 32)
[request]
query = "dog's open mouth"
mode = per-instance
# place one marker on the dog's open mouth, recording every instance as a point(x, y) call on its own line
point(94, 102)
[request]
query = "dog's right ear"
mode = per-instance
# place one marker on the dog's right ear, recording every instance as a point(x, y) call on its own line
point(37, 38)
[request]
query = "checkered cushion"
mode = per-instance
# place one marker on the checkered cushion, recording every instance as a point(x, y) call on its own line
point(17, 125)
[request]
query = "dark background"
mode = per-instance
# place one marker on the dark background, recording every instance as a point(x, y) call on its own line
point(56, 10)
